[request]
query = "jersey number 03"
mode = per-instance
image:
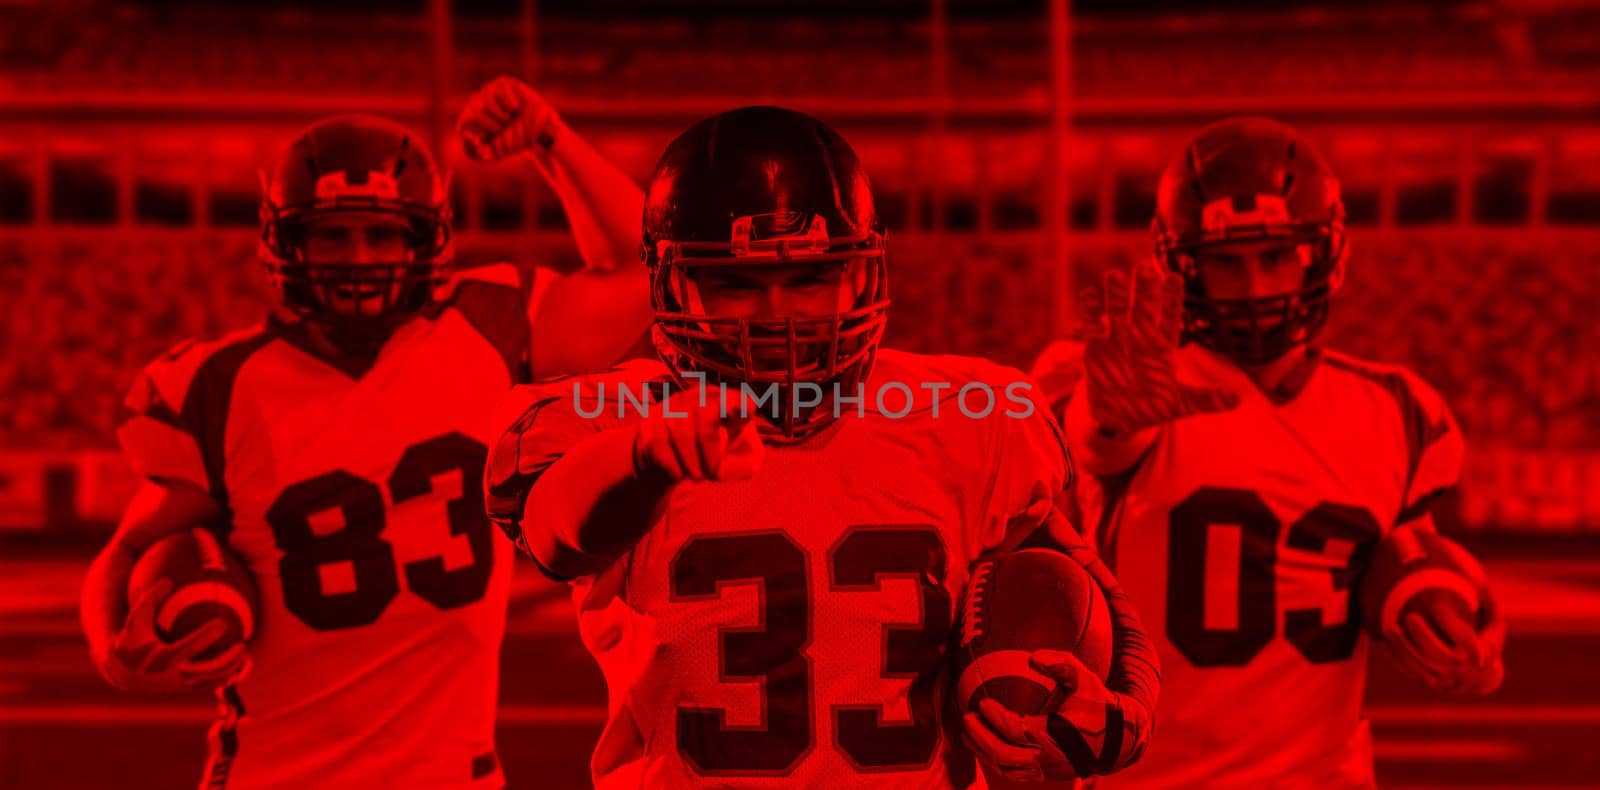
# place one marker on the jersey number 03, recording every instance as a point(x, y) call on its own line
point(1190, 530)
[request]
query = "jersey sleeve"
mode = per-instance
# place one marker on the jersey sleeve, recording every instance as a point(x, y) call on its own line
point(1028, 467)
point(542, 424)
point(164, 417)
point(493, 302)
point(1057, 371)
point(1435, 447)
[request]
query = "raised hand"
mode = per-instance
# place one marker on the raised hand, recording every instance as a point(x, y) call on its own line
point(504, 118)
point(1129, 361)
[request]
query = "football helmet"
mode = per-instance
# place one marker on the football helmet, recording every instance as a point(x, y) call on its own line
point(361, 164)
point(1248, 179)
point(764, 186)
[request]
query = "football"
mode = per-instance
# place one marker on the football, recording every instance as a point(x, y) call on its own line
point(208, 583)
point(1034, 599)
point(1418, 571)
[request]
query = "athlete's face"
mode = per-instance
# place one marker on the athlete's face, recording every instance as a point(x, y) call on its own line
point(358, 239)
point(1253, 269)
point(1260, 269)
point(772, 292)
point(766, 292)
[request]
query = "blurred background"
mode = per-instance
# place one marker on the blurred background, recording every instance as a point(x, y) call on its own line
point(1014, 148)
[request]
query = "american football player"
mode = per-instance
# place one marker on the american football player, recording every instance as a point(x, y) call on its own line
point(1248, 473)
point(337, 448)
point(769, 579)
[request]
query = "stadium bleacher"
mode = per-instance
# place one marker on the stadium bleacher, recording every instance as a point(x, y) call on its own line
point(1495, 319)
point(1405, 49)
point(1480, 317)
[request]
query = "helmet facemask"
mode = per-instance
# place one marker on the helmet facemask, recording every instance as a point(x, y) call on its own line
point(356, 304)
point(834, 349)
point(1259, 330)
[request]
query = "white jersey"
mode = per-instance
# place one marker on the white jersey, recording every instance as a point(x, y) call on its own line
point(1240, 536)
point(353, 498)
point(791, 630)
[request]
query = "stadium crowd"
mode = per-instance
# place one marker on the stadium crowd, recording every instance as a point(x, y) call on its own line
point(88, 315)
point(1498, 328)
point(1382, 49)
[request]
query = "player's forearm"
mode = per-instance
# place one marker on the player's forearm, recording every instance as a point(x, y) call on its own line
point(1135, 669)
point(591, 506)
point(103, 603)
point(1101, 454)
point(602, 204)
point(156, 511)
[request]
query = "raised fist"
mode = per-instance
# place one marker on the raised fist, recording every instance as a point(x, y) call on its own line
point(504, 118)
